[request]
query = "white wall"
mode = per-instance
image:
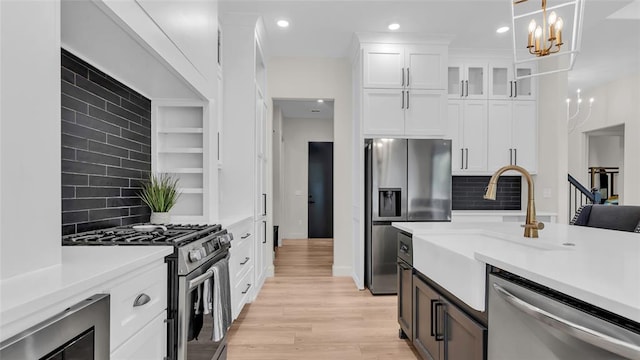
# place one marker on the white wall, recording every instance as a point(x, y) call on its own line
point(276, 155)
point(605, 150)
point(297, 134)
point(327, 78)
point(552, 146)
point(30, 222)
point(616, 103)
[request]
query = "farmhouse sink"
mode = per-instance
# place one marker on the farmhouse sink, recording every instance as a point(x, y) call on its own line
point(449, 259)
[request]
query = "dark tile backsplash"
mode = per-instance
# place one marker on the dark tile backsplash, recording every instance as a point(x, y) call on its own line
point(467, 192)
point(106, 149)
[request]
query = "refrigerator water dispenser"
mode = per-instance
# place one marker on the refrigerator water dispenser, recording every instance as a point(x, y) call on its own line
point(389, 202)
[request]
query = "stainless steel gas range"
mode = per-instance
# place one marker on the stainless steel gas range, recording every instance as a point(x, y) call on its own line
point(197, 267)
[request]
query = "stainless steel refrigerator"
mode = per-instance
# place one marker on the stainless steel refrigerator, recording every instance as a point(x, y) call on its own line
point(405, 180)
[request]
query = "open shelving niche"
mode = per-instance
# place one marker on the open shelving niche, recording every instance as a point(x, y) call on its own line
point(180, 146)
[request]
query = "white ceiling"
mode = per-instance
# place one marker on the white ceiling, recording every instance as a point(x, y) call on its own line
point(305, 109)
point(325, 28)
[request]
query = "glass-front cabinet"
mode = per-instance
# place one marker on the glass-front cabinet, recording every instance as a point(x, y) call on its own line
point(503, 83)
point(467, 80)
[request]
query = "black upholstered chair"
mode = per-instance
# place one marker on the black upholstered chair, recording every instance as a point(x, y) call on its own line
point(613, 217)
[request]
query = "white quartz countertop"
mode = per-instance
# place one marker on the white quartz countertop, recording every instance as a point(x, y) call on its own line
point(602, 268)
point(499, 213)
point(27, 299)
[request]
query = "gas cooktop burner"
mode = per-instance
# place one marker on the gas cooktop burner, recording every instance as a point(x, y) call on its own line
point(176, 235)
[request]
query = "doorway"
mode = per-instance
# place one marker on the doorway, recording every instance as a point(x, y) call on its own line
point(320, 185)
point(302, 130)
point(605, 163)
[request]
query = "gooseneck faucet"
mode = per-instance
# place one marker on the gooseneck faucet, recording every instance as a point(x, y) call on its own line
point(531, 225)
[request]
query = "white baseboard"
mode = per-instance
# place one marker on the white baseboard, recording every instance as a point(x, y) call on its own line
point(342, 270)
point(356, 279)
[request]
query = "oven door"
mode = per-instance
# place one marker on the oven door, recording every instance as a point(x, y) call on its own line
point(195, 330)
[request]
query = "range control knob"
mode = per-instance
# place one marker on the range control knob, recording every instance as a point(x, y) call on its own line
point(195, 255)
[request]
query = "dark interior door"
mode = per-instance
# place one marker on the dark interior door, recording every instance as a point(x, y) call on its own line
point(320, 179)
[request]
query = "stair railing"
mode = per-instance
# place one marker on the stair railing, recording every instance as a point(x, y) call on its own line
point(578, 196)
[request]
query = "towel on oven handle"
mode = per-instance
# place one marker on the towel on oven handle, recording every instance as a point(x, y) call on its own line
point(221, 299)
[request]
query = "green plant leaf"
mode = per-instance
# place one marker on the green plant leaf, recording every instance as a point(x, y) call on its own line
point(160, 192)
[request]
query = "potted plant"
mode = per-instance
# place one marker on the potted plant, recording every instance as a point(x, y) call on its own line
point(160, 193)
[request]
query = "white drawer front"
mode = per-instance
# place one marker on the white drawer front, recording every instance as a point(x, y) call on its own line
point(150, 343)
point(240, 292)
point(126, 318)
point(241, 258)
point(241, 229)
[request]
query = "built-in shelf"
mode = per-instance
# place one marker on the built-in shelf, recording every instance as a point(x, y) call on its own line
point(192, 190)
point(181, 131)
point(183, 171)
point(182, 151)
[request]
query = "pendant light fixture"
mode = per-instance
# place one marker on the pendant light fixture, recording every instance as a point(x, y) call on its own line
point(540, 32)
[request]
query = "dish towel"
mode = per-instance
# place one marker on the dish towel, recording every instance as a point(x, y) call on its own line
point(221, 295)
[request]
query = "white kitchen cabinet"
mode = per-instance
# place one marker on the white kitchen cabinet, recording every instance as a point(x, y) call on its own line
point(467, 79)
point(404, 112)
point(150, 343)
point(467, 129)
point(503, 84)
point(389, 66)
point(512, 135)
point(241, 263)
point(404, 90)
point(261, 249)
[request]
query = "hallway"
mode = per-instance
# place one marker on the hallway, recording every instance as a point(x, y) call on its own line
point(305, 313)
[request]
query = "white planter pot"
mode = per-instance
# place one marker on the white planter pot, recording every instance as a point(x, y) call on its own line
point(160, 218)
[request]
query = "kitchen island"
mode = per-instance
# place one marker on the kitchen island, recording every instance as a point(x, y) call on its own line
point(600, 268)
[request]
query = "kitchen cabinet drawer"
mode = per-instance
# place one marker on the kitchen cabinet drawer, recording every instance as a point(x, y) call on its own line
point(149, 343)
point(241, 259)
point(240, 292)
point(149, 290)
point(241, 230)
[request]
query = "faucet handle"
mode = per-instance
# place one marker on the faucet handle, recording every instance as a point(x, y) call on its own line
point(536, 225)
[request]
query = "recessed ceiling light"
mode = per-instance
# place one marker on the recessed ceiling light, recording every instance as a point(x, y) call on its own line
point(283, 23)
point(502, 30)
point(320, 100)
point(394, 26)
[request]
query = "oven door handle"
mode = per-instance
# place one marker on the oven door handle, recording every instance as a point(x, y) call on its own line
point(200, 279)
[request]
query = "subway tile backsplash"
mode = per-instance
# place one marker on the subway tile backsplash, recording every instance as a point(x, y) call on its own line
point(467, 192)
point(106, 149)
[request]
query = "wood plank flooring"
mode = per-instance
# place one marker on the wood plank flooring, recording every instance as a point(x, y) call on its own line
point(305, 313)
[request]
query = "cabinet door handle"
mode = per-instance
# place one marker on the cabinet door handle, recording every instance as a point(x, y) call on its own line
point(461, 158)
point(433, 318)
point(515, 156)
point(141, 300)
point(402, 100)
point(264, 203)
point(246, 260)
point(402, 76)
point(407, 99)
point(515, 92)
point(461, 88)
point(510, 156)
point(247, 289)
point(438, 336)
point(245, 236)
point(510, 88)
point(264, 234)
point(408, 77)
point(466, 158)
point(466, 86)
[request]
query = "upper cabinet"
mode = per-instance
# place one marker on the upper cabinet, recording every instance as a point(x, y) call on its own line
point(404, 90)
point(503, 84)
point(404, 66)
point(467, 80)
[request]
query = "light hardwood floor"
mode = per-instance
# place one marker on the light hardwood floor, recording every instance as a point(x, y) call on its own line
point(305, 313)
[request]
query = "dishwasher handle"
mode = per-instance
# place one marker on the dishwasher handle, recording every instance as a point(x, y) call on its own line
point(580, 332)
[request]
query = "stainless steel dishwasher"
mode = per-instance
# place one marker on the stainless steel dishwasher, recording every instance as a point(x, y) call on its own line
point(529, 321)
